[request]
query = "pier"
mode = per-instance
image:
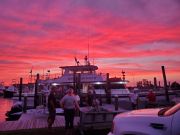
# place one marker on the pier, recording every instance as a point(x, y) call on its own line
point(33, 119)
point(36, 120)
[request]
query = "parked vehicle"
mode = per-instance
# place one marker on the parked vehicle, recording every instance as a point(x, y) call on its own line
point(164, 121)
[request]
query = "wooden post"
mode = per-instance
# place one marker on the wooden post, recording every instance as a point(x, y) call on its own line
point(108, 91)
point(155, 83)
point(116, 103)
point(79, 88)
point(165, 84)
point(25, 104)
point(20, 89)
point(74, 80)
point(169, 85)
point(36, 89)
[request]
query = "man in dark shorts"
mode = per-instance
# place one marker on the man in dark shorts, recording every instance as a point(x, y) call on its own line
point(51, 107)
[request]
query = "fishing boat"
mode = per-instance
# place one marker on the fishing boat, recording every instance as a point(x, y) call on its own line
point(81, 77)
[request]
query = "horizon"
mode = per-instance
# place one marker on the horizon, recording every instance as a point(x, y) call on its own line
point(137, 37)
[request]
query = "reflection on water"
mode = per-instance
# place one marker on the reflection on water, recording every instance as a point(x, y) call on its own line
point(5, 105)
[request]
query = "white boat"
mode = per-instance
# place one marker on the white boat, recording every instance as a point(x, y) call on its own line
point(83, 76)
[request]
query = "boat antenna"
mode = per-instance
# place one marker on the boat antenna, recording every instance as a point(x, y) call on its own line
point(76, 61)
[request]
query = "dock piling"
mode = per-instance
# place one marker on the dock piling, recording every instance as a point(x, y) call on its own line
point(25, 103)
point(116, 103)
point(20, 89)
point(36, 89)
point(165, 84)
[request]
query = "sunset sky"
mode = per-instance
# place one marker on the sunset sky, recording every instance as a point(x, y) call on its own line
point(138, 36)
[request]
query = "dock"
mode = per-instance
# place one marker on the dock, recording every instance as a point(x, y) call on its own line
point(33, 119)
point(36, 120)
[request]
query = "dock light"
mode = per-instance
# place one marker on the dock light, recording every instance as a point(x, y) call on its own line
point(120, 82)
point(55, 84)
point(98, 83)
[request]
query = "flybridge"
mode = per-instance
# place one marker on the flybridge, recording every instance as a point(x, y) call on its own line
point(78, 68)
point(86, 73)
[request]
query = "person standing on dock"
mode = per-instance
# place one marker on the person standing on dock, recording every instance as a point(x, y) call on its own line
point(70, 105)
point(51, 108)
point(134, 97)
point(151, 99)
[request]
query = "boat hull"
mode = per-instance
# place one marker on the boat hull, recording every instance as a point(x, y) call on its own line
point(8, 94)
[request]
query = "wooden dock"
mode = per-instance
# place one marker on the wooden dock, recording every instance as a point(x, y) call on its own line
point(36, 119)
point(33, 119)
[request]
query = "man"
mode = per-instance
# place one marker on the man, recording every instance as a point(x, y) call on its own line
point(69, 104)
point(151, 99)
point(51, 108)
point(134, 97)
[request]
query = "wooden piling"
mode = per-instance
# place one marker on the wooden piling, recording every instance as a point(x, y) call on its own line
point(108, 91)
point(74, 80)
point(169, 85)
point(36, 89)
point(116, 103)
point(20, 88)
point(159, 84)
point(25, 104)
point(155, 83)
point(165, 84)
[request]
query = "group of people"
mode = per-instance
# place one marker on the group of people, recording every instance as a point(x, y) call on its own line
point(69, 104)
point(151, 99)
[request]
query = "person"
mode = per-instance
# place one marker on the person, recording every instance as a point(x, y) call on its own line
point(134, 97)
point(90, 94)
point(69, 104)
point(77, 97)
point(51, 108)
point(151, 99)
point(96, 104)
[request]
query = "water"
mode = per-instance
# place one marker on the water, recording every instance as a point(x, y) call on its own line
point(5, 105)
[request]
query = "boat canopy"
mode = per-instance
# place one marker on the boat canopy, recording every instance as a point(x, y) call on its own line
point(79, 68)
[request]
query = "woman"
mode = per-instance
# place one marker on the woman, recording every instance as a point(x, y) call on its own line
point(69, 104)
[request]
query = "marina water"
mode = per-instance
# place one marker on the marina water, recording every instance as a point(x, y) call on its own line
point(5, 105)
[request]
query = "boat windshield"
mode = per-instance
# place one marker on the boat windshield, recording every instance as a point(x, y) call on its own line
point(169, 110)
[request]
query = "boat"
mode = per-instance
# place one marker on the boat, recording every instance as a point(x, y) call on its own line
point(9, 92)
point(15, 112)
point(81, 77)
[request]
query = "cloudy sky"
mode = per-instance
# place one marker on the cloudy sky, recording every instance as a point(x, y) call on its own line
point(138, 36)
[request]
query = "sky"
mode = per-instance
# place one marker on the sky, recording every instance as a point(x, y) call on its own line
point(137, 36)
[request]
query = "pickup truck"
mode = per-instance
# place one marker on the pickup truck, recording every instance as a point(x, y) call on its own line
point(159, 121)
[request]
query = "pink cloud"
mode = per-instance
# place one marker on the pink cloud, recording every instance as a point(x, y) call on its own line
point(47, 34)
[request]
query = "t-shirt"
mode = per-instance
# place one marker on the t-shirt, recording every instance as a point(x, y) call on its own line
point(69, 102)
point(151, 97)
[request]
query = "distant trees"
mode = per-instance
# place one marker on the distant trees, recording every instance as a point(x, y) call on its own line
point(175, 86)
point(145, 84)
